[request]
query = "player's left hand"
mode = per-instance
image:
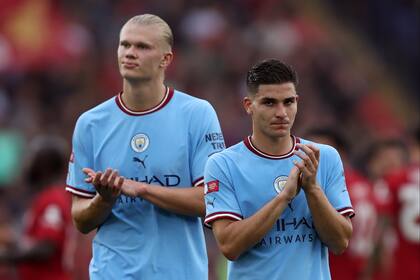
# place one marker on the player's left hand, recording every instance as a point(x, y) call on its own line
point(309, 164)
point(107, 184)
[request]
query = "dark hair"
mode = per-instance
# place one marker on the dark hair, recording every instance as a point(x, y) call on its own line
point(48, 160)
point(268, 72)
point(377, 147)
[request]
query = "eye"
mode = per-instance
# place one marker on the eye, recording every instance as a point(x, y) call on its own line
point(143, 46)
point(268, 102)
point(289, 101)
point(125, 44)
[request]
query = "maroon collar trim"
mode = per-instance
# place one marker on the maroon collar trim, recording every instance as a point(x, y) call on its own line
point(252, 148)
point(168, 96)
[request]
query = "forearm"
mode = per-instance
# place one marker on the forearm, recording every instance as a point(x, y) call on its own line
point(88, 214)
point(333, 229)
point(237, 237)
point(184, 201)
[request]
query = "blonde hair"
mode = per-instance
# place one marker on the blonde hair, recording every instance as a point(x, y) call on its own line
point(149, 19)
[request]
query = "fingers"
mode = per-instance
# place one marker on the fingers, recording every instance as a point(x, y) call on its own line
point(120, 181)
point(294, 173)
point(97, 179)
point(310, 151)
point(88, 171)
point(104, 180)
point(310, 158)
point(106, 183)
point(306, 165)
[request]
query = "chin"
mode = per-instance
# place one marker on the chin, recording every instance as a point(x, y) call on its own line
point(131, 77)
point(279, 133)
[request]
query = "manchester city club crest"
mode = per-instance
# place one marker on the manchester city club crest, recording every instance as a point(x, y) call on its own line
point(140, 142)
point(279, 183)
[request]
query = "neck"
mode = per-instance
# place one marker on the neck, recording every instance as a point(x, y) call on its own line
point(272, 145)
point(141, 96)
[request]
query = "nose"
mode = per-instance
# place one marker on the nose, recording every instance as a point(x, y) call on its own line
point(280, 111)
point(130, 52)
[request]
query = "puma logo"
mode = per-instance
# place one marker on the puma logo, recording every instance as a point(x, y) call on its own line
point(136, 159)
point(211, 202)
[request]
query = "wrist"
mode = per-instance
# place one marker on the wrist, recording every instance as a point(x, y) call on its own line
point(104, 201)
point(143, 189)
point(284, 197)
point(311, 189)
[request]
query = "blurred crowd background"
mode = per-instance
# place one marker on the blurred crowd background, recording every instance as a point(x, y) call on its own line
point(357, 62)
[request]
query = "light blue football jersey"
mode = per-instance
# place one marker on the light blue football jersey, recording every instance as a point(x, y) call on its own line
point(167, 145)
point(241, 180)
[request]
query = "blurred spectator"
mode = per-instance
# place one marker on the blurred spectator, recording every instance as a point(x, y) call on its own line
point(383, 156)
point(42, 251)
point(400, 192)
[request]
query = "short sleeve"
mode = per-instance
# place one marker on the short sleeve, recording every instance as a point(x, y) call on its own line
point(335, 187)
point(80, 158)
point(207, 139)
point(220, 198)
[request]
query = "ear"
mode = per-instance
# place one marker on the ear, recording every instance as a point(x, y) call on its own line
point(166, 60)
point(247, 103)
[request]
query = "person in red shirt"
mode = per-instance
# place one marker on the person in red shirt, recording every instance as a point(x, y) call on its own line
point(400, 191)
point(43, 251)
point(351, 264)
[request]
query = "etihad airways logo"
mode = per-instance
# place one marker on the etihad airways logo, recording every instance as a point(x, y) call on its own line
point(169, 180)
point(287, 231)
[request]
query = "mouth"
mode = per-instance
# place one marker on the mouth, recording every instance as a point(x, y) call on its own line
point(279, 125)
point(129, 65)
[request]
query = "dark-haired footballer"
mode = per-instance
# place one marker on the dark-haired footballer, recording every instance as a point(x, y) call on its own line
point(276, 202)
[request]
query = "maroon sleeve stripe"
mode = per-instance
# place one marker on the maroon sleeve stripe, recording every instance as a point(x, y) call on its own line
point(198, 182)
point(347, 211)
point(80, 192)
point(221, 215)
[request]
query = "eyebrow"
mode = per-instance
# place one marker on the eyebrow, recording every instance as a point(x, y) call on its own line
point(135, 43)
point(274, 100)
point(292, 98)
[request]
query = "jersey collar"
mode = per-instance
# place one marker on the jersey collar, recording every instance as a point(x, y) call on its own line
point(168, 95)
point(252, 148)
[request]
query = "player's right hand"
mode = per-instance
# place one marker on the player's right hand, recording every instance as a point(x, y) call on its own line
point(292, 187)
point(107, 184)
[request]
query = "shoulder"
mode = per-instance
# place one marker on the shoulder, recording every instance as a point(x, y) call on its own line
point(190, 103)
point(229, 154)
point(97, 112)
point(325, 150)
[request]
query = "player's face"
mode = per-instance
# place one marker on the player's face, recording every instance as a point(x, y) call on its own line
point(142, 52)
point(273, 109)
